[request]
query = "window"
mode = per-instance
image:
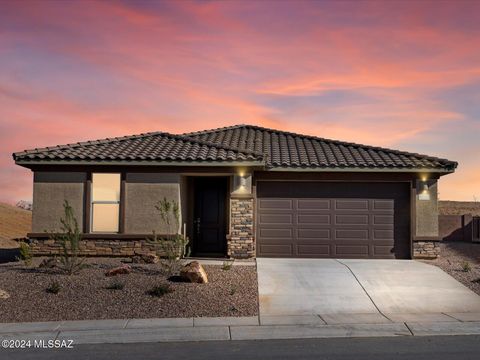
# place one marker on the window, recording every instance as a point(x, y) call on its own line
point(105, 202)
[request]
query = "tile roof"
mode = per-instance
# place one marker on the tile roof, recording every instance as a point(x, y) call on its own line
point(154, 146)
point(274, 148)
point(285, 149)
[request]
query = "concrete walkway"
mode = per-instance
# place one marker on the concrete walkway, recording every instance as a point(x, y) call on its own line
point(374, 288)
point(241, 328)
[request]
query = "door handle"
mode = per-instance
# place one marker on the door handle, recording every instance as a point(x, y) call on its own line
point(197, 224)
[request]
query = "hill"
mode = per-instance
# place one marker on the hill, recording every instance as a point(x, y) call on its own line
point(14, 223)
point(459, 207)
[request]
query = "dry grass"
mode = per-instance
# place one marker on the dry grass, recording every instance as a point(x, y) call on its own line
point(14, 223)
point(459, 207)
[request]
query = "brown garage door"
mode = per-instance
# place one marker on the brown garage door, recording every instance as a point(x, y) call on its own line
point(323, 219)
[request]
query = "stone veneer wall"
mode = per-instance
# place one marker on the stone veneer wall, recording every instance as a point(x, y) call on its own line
point(241, 243)
point(426, 249)
point(96, 247)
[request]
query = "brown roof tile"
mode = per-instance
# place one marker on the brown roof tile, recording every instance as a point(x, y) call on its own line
point(237, 143)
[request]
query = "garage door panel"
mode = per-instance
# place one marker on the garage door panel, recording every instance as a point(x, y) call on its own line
point(351, 250)
point(349, 234)
point(275, 204)
point(276, 233)
point(313, 219)
point(345, 220)
point(276, 250)
point(315, 234)
point(313, 204)
point(313, 250)
point(351, 219)
point(383, 219)
point(379, 234)
point(276, 219)
point(383, 205)
point(351, 204)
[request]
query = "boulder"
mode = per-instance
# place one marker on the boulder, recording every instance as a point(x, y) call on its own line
point(4, 295)
point(121, 270)
point(145, 259)
point(194, 272)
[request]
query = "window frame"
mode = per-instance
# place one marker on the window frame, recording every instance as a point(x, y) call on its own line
point(106, 202)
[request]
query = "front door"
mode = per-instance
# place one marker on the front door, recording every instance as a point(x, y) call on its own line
point(209, 222)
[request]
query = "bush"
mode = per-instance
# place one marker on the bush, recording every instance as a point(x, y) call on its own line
point(227, 265)
point(25, 253)
point(69, 238)
point(53, 288)
point(172, 247)
point(466, 267)
point(115, 285)
point(160, 290)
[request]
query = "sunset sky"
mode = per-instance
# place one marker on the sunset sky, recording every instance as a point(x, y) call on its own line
point(404, 75)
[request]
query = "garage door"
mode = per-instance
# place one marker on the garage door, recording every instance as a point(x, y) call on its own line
point(342, 220)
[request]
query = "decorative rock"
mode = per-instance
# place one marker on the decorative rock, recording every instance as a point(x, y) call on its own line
point(194, 272)
point(4, 295)
point(124, 269)
point(146, 259)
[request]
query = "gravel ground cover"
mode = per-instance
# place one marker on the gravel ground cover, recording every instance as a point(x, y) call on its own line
point(454, 257)
point(85, 295)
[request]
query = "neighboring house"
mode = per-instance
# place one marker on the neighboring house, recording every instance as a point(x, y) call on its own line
point(244, 191)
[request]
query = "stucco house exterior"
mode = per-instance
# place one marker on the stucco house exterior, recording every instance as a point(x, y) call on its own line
point(243, 191)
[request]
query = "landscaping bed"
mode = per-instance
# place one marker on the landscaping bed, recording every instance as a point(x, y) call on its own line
point(462, 261)
point(231, 292)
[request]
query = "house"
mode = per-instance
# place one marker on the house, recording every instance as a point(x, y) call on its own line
point(243, 191)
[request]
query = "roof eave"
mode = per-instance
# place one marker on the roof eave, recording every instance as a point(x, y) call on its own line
point(364, 169)
point(212, 163)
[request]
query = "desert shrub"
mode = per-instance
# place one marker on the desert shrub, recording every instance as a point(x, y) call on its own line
point(115, 285)
point(54, 287)
point(25, 253)
point(466, 267)
point(233, 291)
point(69, 238)
point(227, 265)
point(172, 247)
point(160, 290)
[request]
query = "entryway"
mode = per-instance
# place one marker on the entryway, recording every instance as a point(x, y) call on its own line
point(210, 216)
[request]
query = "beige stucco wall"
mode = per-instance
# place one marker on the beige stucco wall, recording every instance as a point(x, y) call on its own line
point(142, 193)
point(426, 221)
point(48, 199)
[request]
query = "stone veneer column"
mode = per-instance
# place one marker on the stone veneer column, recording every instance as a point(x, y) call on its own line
point(426, 240)
point(241, 243)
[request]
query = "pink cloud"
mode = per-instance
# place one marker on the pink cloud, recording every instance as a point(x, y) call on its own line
point(99, 69)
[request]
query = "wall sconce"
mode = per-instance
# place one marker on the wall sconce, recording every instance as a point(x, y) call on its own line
point(243, 181)
point(425, 193)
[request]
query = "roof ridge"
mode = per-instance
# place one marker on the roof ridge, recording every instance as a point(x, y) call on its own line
point(337, 142)
point(208, 131)
point(229, 148)
point(136, 136)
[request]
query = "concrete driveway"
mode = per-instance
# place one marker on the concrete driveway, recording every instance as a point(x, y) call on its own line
point(330, 286)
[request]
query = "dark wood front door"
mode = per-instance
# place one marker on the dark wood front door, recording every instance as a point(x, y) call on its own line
point(209, 222)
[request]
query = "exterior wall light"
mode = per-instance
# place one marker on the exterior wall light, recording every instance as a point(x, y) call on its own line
point(243, 181)
point(425, 194)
